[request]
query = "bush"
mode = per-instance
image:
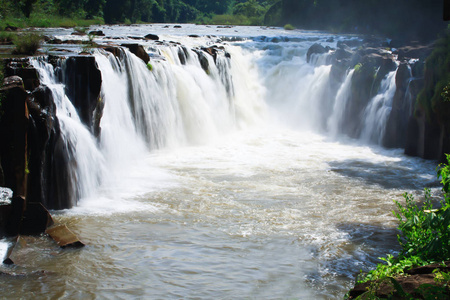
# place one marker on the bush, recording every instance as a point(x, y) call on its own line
point(289, 27)
point(425, 232)
point(27, 43)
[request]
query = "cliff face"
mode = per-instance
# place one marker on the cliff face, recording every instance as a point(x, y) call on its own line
point(35, 160)
point(419, 117)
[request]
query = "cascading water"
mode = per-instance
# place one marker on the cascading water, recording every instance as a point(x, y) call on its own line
point(340, 104)
point(377, 112)
point(86, 163)
point(196, 188)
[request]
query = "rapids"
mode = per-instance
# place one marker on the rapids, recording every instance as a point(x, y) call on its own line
point(234, 183)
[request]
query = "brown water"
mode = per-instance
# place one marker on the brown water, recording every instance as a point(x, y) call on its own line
point(261, 214)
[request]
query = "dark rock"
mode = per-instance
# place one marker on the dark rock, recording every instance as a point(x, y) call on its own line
point(343, 52)
point(411, 284)
point(177, 26)
point(418, 52)
point(315, 49)
point(11, 28)
point(8, 261)
point(23, 69)
point(114, 50)
point(139, 51)
point(49, 178)
point(13, 135)
point(83, 81)
point(55, 41)
point(36, 219)
point(79, 33)
point(182, 54)
point(152, 37)
point(97, 33)
point(13, 217)
point(194, 36)
point(136, 37)
point(397, 123)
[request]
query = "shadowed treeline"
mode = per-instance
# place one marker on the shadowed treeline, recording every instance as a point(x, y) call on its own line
point(406, 19)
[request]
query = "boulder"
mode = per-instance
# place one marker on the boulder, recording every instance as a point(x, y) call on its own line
point(23, 69)
point(139, 51)
point(97, 33)
point(152, 37)
point(315, 49)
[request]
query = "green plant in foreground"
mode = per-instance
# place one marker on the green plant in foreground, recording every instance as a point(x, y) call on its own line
point(425, 232)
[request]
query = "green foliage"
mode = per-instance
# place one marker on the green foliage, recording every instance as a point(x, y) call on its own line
point(289, 27)
point(425, 234)
point(27, 43)
point(437, 70)
point(358, 67)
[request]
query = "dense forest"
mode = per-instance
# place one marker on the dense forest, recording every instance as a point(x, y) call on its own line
point(404, 18)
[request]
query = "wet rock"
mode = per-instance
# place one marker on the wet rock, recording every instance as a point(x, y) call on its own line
point(64, 237)
point(138, 50)
point(35, 220)
point(397, 123)
point(177, 26)
point(96, 33)
point(152, 37)
point(83, 81)
point(411, 284)
point(13, 134)
point(182, 55)
point(23, 69)
point(414, 52)
point(315, 49)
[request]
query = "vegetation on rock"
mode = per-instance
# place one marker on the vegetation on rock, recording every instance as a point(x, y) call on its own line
point(424, 239)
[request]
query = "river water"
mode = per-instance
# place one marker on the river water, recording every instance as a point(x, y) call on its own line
point(248, 194)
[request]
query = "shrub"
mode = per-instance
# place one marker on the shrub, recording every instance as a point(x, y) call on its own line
point(289, 27)
point(27, 43)
point(425, 232)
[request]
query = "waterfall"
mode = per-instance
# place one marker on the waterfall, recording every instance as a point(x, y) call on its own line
point(86, 165)
point(336, 119)
point(378, 110)
point(186, 97)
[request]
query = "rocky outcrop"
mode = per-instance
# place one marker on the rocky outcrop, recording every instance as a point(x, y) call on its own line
point(83, 81)
point(138, 50)
point(13, 134)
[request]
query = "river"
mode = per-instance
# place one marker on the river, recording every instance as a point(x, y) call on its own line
point(248, 192)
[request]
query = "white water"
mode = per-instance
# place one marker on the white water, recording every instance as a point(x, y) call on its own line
point(378, 110)
point(207, 193)
point(87, 163)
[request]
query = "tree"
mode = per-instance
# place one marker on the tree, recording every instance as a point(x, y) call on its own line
point(27, 6)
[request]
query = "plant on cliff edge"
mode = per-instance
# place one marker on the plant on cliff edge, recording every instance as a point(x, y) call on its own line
point(27, 43)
